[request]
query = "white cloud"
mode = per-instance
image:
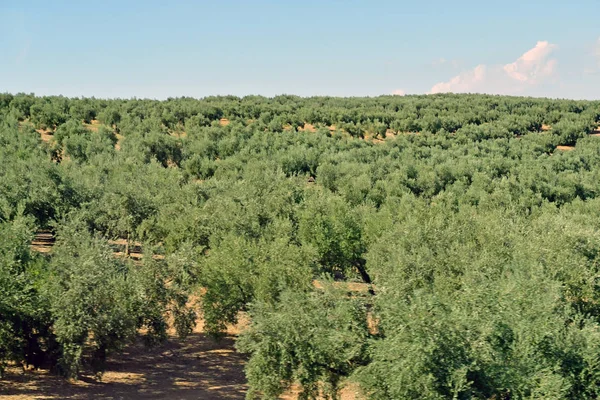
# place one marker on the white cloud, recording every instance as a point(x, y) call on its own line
point(399, 92)
point(532, 68)
point(465, 82)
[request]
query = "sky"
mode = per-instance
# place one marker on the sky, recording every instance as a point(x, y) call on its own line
point(160, 49)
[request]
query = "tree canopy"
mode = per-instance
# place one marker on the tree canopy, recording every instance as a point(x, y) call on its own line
point(422, 247)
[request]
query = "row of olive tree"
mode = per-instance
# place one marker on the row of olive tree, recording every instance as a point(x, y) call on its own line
point(475, 241)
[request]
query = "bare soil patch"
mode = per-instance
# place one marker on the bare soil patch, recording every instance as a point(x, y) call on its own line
point(119, 140)
point(348, 392)
point(43, 242)
point(565, 148)
point(197, 367)
point(93, 126)
point(307, 127)
point(351, 287)
point(45, 134)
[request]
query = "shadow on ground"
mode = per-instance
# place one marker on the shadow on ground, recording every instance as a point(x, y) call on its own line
point(194, 368)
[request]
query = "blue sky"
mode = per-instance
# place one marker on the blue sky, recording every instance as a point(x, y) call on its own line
point(158, 49)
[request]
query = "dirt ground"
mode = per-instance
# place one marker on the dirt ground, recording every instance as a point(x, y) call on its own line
point(195, 368)
point(565, 148)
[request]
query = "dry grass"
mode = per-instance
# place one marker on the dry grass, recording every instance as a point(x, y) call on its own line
point(308, 128)
point(179, 134)
point(348, 392)
point(119, 141)
point(565, 148)
point(93, 126)
point(45, 134)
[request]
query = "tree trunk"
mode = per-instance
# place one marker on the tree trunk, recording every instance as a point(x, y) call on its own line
point(362, 270)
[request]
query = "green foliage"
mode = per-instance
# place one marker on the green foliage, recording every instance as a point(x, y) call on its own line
point(94, 299)
point(82, 110)
point(25, 336)
point(155, 145)
point(475, 312)
point(29, 178)
point(311, 338)
point(166, 286)
point(327, 224)
point(110, 117)
point(74, 141)
point(238, 271)
point(470, 240)
point(572, 129)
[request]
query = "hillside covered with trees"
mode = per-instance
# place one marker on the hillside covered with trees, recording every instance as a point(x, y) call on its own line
point(423, 247)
